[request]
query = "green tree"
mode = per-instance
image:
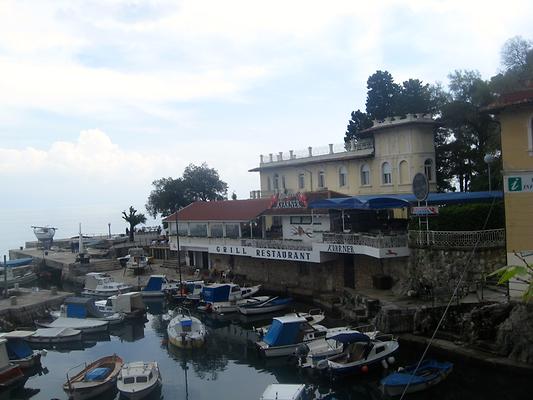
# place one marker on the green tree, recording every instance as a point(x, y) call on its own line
point(521, 273)
point(167, 196)
point(203, 183)
point(356, 124)
point(133, 219)
point(413, 97)
point(517, 63)
point(381, 95)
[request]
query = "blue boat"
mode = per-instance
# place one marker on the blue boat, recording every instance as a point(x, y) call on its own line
point(19, 351)
point(267, 306)
point(429, 373)
point(159, 286)
point(17, 263)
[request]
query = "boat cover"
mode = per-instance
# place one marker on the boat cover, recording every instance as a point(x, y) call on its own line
point(282, 333)
point(214, 294)
point(186, 323)
point(428, 371)
point(17, 349)
point(350, 337)
point(82, 307)
point(97, 374)
point(17, 263)
point(154, 284)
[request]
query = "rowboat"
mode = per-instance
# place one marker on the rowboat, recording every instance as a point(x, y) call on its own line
point(93, 379)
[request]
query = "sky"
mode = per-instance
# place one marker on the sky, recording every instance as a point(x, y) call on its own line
point(99, 98)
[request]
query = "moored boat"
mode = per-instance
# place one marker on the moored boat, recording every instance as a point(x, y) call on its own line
point(138, 379)
point(100, 284)
point(313, 317)
point(416, 378)
point(54, 336)
point(10, 374)
point(19, 352)
point(93, 379)
point(85, 308)
point(281, 391)
point(186, 331)
point(84, 325)
point(159, 286)
point(131, 305)
point(19, 272)
point(271, 304)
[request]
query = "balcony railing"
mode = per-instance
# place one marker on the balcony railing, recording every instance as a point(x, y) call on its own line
point(491, 238)
point(278, 244)
point(361, 239)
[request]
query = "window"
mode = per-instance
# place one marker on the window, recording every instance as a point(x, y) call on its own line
point(269, 184)
point(386, 172)
point(301, 220)
point(321, 179)
point(530, 137)
point(342, 176)
point(283, 185)
point(276, 181)
point(365, 175)
point(301, 181)
point(428, 168)
point(142, 379)
point(129, 380)
point(216, 230)
point(404, 172)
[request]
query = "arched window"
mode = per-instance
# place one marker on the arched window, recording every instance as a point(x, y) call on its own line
point(428, 169)
point(365, 175)
point(343, 173)
point(321, 179)
point(404, 172)
point(301, 180)
point(276, 181)
point(386, 173)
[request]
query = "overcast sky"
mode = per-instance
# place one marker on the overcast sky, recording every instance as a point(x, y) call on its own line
point(99, 98)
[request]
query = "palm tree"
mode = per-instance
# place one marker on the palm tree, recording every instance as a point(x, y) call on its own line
point(133, 219)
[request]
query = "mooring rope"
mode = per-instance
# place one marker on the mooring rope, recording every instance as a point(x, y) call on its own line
point(461, 276)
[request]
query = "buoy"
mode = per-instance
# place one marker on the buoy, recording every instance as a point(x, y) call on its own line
point(391, 360)
point(364, 369)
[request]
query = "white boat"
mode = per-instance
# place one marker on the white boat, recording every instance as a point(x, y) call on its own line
point(271, 304)
point(17, 274)
point(44, 233)
point(85, 308)
point(286, 334)
point(138, 379)
point(84, 325)
point(19, 352)
point(189, 290)
point(100, 284)
point(131, 305)
point(279, 391)
point(94, 379)
point(313, 316)
point(135, 261)
point(224, 293)
point(225, 307)
point(186, 331)
point(54, 335)
point(159, 286)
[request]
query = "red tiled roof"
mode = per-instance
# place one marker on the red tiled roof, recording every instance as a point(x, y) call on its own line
point(226, 210)
point(512, 99)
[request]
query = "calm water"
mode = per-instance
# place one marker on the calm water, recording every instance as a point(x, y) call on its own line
point(228, 367)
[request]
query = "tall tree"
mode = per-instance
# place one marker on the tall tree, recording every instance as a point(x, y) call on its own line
point(133, 219)
point(517, 63)
point(203, 183)
point(167, 196)
point(381, 95)
point(413, 97)
point(515, 52)
point(356, 124)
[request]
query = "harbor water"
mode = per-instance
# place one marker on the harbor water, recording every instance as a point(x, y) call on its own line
point(229, 368)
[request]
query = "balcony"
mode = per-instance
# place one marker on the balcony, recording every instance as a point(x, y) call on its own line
point(278, 244)
point(492, 238)
point(368, 240)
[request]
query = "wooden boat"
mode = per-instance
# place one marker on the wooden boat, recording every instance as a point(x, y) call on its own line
point(138, 379)
point(185, 330)
point(10, 374)
point(84, 325)
point(272, 304)
point(428, 374)
point(19, 352)
point(54, 335)
point(94, 379)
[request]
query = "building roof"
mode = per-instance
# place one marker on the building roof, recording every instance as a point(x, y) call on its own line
point(226, 210)
point(394, 122)
point(512, 99)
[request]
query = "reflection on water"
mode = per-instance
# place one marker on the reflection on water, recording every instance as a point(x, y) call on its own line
point(228, 367)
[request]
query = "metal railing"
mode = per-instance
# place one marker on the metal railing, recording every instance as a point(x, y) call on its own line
point(277, 244)
point(378, 241)
point(491, 238)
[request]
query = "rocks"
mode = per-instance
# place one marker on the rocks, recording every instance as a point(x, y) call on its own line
point(515, 335)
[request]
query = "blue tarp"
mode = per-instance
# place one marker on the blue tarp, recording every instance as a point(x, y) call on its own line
point(81, 307)
point(213, 294)
point(377, 202)
point(428, 371)
point(154, 284)
point(350, 337)
point(17, 349)
point(97, 374)
point(282, 334)
point(76, 311)
point(186, 322)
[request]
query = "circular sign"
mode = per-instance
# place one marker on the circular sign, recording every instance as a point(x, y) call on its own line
point(420, 186)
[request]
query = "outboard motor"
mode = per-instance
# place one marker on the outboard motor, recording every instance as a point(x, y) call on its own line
point(301, 353)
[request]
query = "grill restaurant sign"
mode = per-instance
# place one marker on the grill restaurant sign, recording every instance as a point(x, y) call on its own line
point(299, 200)
point(271, 254)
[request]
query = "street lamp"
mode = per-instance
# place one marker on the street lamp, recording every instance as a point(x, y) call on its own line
point(489, 158)
point(178, 246)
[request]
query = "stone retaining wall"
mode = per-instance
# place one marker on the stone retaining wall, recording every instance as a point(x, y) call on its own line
point(25, 315)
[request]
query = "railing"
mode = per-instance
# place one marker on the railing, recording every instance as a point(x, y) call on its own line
point(458, 239)
point(277, 244)
point(379, 242)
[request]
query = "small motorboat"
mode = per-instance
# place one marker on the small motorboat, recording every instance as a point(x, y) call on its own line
point(138, 379)
point(186, 331)
point(85, 308)
point(10, 374)
point(159, 286)
point(135, 261)
point(93, 379)
point(271, 304)
point(84, 325)
point(100, 284)
point(44, 233)
point(54, 336)
point(17, 272)
point(313, 316)
point(131, 305)
point(189, 290)
point(279, 391)
point(19, 352)
point(412, 379)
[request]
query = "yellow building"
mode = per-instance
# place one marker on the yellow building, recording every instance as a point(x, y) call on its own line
point(515, 113)
point(384, 162)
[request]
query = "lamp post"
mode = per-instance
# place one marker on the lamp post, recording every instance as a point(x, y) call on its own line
point(178, 246)
point(489, 158)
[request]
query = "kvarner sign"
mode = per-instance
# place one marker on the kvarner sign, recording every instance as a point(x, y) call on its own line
point(299, 200)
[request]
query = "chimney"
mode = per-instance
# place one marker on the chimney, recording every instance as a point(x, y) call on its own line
point(331, 148)
point(291, 152)
point(261, 159)
point(310, 151)
point(280, 155)
point(270, 157)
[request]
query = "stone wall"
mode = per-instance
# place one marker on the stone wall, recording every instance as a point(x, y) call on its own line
point(366, 267)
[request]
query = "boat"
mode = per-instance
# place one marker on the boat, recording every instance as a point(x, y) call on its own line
point(186, 331)
point(279, 391)
point(313, 316)
point(131, 305)
point(272, 304)
point(138, 379)
point(189, 290)
point(93, 379)
point(135, 261)
point(44, 233)
point(412, 379)
point(286, 334)
point(15, 272)
point(225, 293)
point(159, 286)
point(100, 284)
point(360, 353)
point(85, 308)
point(84, 325)
point(226, 307)
point(54, 336)
point(10, 374)
point(18, 351)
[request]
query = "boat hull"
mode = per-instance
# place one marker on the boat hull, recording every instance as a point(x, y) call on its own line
point(73, 336)
point(28, 362)
point(262, 310)
point(186, 343)
point(96, 328)
point(141, 393)
point(10, 376)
